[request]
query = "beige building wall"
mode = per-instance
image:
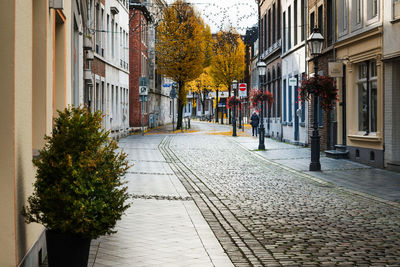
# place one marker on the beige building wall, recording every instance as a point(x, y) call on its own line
point(29, 58)
point(367, 46)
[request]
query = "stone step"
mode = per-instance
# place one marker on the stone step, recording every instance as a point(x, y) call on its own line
point(335, 154)
point(394, 166)
point(341, 148)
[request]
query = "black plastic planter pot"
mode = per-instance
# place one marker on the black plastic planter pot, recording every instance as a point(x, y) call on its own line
point(67, 250)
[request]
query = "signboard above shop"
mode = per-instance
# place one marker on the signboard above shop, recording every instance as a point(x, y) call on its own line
point(335, 69)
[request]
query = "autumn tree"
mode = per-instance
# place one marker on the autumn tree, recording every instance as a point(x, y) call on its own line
point(202, 85)
point(228, 61)
point(182, 47)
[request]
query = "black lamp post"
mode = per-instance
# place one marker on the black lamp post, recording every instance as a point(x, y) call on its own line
point(261, 67)
point(315, 45)
point(234, 87)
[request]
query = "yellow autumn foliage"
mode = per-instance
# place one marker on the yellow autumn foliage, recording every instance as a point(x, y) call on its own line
point(183, 47)
point(228, 62)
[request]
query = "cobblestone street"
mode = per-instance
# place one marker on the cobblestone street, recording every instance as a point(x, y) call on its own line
point(202, 196)
point(265, 215)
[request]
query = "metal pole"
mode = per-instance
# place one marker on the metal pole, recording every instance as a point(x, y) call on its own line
point(142, 115)
point(261, 145)
point(315, 164)
point(240, 116)
point(234, 110)
point(173, 115)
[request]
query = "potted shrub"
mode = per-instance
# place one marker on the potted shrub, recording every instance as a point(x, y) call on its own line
point(78, 193)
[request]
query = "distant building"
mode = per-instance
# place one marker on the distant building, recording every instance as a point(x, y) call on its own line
point(270, 53)
point(109, 23)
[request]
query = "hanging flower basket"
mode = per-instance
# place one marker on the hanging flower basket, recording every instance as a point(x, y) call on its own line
point(233, 100)
point(257, 96)
point(323, 86)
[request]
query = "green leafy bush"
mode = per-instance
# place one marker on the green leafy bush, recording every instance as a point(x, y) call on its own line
point(79, 187)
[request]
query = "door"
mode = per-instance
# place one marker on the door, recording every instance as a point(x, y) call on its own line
point(296, 107)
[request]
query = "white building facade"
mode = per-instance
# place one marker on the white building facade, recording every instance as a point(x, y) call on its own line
point(109, 23)
point(294, 112)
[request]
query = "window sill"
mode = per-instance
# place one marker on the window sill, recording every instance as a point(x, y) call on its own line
point(365, 138)
point(396, 20)
point(302, 124)
point(284, 123)
point(290, 123)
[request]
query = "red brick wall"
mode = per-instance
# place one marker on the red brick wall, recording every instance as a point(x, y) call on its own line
point(99, 67)
point(324, 131)
point(136, 48)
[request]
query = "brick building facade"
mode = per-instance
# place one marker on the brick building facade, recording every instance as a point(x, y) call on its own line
point(138, 64)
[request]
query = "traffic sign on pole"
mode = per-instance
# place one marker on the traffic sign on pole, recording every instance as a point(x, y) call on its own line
point(242, 90)
point(143, 86)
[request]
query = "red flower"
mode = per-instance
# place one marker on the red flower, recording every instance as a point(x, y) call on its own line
point(323, 86)
point(232, 101)
point(256, 96)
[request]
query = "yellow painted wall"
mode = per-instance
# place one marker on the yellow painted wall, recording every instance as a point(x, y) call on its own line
point(7, 171)
point(26, 105)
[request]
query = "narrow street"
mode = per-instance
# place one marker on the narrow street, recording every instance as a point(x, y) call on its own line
point(203, 196)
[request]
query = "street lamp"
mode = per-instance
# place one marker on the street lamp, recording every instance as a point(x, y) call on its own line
point(261, 67)
point(315, 45)
point(234, 88)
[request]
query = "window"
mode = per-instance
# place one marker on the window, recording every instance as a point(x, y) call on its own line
point(295, 22)
point(329, 22)
point(303, 105)
point(112, 39)
point(284, 100)
point(290, 103)
point(302, 20)
point(358, 11)
point(265, 33)
point(278, 30)
point(372, 9)
point(102, 32)
point(289, 28)
point(108, 35)
point(345, 14)
point(342, 17)
point(284, 33)
point(260, 50)
point(279, 96)
point(269, 28)
point(396, 9)
point(367, 97)
point(320, 112)
point(273, 24)
point(312, 22)
point(320, 20)
point(98, 33)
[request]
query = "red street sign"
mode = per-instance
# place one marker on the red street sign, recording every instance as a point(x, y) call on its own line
point(242, 86)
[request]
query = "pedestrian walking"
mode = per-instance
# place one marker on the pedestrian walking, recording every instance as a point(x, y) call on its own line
point(255, 120)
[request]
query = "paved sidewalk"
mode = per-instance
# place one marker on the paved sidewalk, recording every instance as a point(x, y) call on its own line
point(163, 227)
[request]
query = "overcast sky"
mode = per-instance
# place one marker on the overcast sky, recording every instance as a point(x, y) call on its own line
point(220, 14)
